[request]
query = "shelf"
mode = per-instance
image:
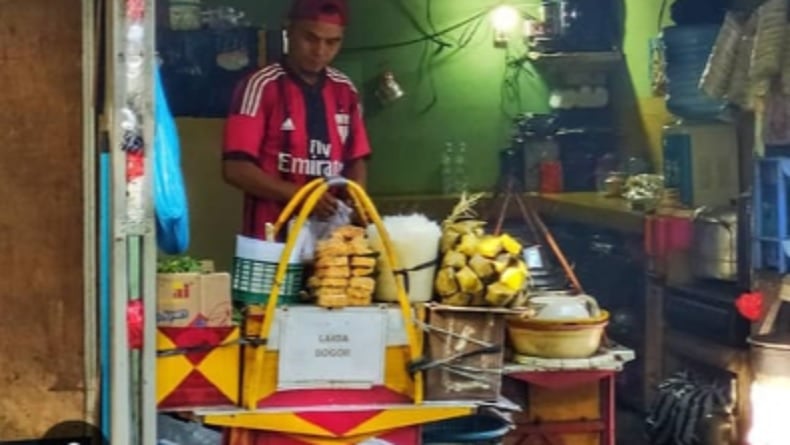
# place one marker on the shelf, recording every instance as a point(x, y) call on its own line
point(574, 60)
point(581, 56)
point(583, 207)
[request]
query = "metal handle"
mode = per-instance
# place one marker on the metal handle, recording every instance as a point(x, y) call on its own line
point(337, 181)
point(592, 305)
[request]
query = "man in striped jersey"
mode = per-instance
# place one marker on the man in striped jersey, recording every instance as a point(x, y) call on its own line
point(296, 120)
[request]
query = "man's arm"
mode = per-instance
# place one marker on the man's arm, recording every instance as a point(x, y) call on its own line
point(359, 150)
point(248, 177)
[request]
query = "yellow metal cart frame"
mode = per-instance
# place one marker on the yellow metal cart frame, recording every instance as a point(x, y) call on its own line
point(261, 379)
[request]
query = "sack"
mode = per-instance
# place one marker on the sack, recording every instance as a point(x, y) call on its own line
point(172, 212)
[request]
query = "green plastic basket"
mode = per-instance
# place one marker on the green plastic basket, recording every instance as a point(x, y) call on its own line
point(253, 280)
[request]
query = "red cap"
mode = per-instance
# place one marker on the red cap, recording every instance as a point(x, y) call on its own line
point(327, 11)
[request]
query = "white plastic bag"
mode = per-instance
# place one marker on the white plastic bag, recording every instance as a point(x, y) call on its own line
point(315, 229)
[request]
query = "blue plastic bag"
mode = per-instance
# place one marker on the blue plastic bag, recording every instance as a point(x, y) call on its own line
point(172, 208)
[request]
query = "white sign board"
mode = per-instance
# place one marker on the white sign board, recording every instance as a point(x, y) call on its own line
point(332, 349)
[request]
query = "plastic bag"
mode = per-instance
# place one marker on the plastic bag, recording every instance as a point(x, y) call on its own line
point(172, 211)
point(315, 230)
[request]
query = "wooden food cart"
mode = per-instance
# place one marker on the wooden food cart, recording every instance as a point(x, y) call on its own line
point(311, 375)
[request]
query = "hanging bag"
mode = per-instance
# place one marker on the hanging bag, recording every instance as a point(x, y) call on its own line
point(172, 210)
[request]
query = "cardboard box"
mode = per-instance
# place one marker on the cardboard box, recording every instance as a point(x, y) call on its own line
point(193, 300)
point(481, 377)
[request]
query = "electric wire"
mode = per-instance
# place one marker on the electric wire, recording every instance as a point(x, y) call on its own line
point(435, 41)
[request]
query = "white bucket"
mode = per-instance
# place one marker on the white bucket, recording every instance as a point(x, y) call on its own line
point(260, 250)
point(415, 239)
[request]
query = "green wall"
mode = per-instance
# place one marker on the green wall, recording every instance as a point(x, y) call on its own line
point(468, 86)
point(642, 115)
point(641, 25)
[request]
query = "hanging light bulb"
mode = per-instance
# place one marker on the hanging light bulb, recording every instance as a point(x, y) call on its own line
point(504, 19)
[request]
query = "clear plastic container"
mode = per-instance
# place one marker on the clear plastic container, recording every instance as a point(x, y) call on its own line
point(550, 167)
point(448, 169)
point(606, 165)
point(460, 174)
point(636, 165)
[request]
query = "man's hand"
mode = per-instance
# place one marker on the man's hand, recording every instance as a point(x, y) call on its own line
point(326, 206)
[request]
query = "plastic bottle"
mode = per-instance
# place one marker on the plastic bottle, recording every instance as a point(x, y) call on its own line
point(636, 165)
point(459, 173)
point(550, 169)
point(448, 167)
point(604, 167)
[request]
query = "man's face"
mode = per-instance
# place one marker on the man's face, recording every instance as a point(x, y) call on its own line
point(313, 45)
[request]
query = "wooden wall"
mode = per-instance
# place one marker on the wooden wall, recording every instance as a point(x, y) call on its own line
point(41, 216)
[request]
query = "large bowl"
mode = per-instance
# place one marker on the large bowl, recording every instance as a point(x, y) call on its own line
point(557, 339)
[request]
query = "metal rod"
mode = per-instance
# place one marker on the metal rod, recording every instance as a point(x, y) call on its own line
point(89, 245)
point(120, 380)
point(529, 212)
point(148, 247)
point(133, 294)
point(104, 290)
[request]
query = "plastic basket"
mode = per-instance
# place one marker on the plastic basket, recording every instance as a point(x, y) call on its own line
point(477, 429)
point(253, 280)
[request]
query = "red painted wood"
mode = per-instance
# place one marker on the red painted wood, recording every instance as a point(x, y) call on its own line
point(324, 397)
point(195, 391)
point(560, 379)
point(339, 423)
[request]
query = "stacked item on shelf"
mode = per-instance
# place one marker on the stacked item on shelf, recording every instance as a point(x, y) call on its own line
point(765, 78)
point(771, 244)
point(686, 51)
point(746, 56)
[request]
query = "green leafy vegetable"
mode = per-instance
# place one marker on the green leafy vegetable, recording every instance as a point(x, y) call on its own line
point(181, 264)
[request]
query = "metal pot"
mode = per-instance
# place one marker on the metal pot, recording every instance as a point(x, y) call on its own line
point(770, 355)
point(715, 244)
